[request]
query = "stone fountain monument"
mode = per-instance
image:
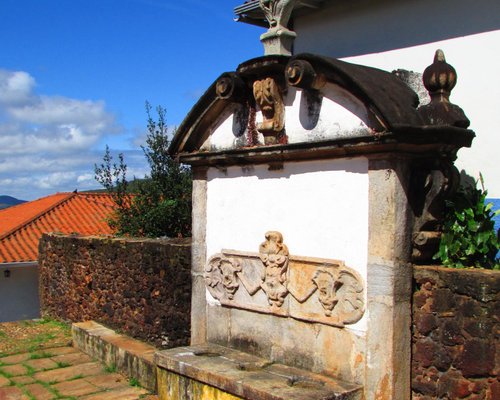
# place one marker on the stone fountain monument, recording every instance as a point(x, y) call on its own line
point(317, 184)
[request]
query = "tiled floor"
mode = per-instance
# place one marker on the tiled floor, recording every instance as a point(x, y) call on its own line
point(63, 373)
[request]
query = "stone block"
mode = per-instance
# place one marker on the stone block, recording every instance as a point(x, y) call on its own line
point(479, 328)
point(477, 358)
point(443, 301)
point(451, 333)
point(453, 385)
point(427, 353)
point(424, 322)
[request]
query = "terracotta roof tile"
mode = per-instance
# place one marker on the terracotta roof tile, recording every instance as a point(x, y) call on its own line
point(22, 226)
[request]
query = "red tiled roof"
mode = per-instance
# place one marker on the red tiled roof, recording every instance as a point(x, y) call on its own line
point(22, 226)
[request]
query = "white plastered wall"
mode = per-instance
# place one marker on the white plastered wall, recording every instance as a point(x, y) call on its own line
point(405, 34)
point(337, 115)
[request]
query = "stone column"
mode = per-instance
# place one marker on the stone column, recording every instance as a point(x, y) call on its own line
point(199, 257)
point(389, 281)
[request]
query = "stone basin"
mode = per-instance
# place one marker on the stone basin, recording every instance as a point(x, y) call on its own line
point(232, 374)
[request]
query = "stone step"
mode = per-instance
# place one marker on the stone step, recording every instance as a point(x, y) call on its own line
point(230, 374)
point(131, 357)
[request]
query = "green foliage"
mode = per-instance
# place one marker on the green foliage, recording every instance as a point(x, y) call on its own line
point(62, 364)
point(469, 238)
point(134, 382)
point(110, 368)
point(43, 354)
point(159, 205)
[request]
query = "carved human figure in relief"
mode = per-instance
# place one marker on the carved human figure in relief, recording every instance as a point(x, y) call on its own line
point(274, 256)
point(327, 289)
point(221, 276)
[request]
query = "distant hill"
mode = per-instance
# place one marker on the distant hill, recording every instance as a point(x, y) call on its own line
point(8, 201)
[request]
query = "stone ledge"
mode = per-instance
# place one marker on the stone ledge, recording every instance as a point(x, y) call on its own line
point(131, 357)
point(250, 377)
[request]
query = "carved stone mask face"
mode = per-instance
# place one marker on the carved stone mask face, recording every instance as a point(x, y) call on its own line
point(228, 272)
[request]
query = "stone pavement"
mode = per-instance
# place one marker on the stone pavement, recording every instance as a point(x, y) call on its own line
point(63, 373)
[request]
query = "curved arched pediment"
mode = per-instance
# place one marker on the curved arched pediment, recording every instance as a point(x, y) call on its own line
point(281, 102)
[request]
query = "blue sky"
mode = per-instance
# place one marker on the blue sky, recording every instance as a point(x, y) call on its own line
point(75, 74)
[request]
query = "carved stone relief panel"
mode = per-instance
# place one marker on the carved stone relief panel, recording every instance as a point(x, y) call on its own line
point(273, 282)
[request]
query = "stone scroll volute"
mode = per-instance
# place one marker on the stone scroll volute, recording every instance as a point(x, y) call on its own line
point(274, 282)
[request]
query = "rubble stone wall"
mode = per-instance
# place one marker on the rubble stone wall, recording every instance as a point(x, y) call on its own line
point(456, 346)
point(139, 287)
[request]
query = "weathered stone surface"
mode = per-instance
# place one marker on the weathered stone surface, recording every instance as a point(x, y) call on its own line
point(128, 393)
point(451, 333)
point(429, 353)
point(455, 350)
point(424, 322)
point(477, 358)
point(142, 287)
point(39, 391)
point(41, 364)
point(15, 359)
point(12, 393)
point(4, 381)
point(14, 370)
point(108, 381)
point(76, 387)
point(131, 357)
point(22, 380)
point(72, 358)
point(388, 282)
point(453, 385)
point(242, 376)
point(75, 382)
point(62, 374)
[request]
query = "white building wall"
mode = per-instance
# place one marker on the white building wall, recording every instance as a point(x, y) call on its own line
point(405, 34)
point(19, 295)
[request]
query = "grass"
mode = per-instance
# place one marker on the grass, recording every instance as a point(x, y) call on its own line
point(30, 371)
point(110, 368)
point(5, 374)
point(74, 378)
point(37, 342)
point(134, 382)
point(32, 335)
point(27, 394)
point(62, 364)
point(43, 354)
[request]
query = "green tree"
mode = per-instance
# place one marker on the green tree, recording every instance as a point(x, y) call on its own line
point(160, 204)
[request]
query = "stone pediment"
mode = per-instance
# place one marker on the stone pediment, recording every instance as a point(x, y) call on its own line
point(300, 105)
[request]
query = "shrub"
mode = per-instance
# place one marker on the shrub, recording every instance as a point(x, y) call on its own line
point(469, 238)
point(160, 204)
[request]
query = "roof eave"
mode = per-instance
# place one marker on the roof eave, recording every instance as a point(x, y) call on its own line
point(251, 13)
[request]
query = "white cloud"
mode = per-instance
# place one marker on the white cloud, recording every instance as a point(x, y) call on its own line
point(46, 142)
point(15, 87)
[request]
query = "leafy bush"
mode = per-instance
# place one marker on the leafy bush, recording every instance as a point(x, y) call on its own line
point(469, 238)
point(160, 204)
